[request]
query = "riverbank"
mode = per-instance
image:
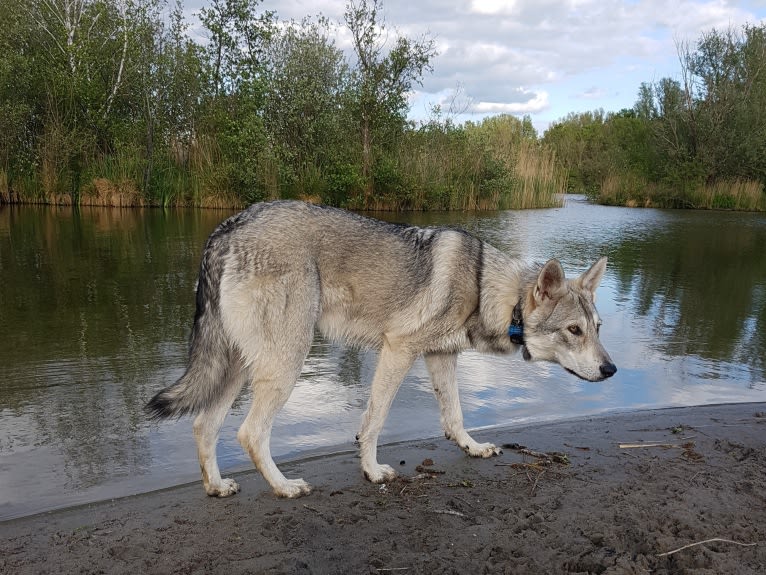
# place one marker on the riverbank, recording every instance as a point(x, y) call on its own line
point(610, 494)
point(723, 195)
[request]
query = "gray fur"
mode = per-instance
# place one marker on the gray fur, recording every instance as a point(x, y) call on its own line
point(273, 273)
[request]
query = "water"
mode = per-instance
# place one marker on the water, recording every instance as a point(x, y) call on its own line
point(96, 307)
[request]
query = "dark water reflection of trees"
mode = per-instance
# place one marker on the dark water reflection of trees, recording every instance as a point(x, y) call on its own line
point(93, 305)
point(702, 284)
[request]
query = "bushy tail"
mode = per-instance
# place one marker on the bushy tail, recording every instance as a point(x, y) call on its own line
point(196, 389)
point(210, 357)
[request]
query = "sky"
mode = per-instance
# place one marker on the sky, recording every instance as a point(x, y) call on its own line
point(544, 58)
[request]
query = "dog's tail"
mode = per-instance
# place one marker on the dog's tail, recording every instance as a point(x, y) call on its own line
point(211, 363)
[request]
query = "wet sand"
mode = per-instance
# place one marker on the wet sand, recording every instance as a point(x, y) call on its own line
point(621, 493)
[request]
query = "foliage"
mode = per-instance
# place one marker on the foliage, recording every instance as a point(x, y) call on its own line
point(497, 163)
point(699, 142)
point(112, 102)
point(381, 81)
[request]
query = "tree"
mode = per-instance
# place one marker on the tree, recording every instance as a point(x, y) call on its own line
point(86, 43)
point(382, 79)
point(20, 95)
point(304, 108)
point(645, 107)
point(181, 85)
point(236, 68)
point(238, 35)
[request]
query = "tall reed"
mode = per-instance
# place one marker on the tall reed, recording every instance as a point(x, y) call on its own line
point(478, 168)
point(437, 167)
point(112, 180)
point(540, 183)
point(629, 189)
point(734, 194)
point(5, 190)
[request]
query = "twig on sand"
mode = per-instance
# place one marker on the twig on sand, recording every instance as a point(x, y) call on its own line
point(447, 512)
point(639, 445)
point(389, 569)
point(713, 540)
point(534, 485)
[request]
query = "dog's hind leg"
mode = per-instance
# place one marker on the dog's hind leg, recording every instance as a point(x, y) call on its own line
point(442, 368)
point(272, 322)
point(393, 365)
point(270, 392)
point(207, 426)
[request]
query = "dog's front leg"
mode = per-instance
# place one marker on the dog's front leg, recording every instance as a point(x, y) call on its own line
point(442, 367)
point(393, 365)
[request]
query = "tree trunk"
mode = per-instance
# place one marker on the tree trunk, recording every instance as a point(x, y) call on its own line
point(367, 159)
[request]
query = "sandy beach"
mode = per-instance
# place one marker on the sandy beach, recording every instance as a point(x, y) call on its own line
point(679, 490)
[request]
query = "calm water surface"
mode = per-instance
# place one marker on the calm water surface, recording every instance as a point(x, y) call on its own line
point(96, 308)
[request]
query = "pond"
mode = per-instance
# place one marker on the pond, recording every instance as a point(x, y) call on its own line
point(96, 307)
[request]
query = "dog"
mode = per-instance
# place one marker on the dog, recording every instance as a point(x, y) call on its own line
point(276, 271)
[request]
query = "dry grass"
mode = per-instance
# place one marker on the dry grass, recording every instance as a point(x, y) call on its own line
point(5, 190)
point(104, 192)
point(540, 182)
point(630, 190)
point(485, 167)
point(730, 194)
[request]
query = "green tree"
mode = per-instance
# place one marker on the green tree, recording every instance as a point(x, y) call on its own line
point(382, 78)
point(305, 110)
point(21, 96)
point(233, 117)
point(238, 36)
point(727, 89)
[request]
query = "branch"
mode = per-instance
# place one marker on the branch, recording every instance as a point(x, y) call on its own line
point(118, 80)
point(714, 539)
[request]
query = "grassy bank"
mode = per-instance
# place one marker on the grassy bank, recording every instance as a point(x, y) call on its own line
point(497, 164)
point(633, 191)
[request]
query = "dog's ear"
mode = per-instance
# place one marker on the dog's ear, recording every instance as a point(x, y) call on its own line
point(551, 283)
point(589, 280)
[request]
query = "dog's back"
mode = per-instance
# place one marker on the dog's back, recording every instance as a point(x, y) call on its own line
point(362, 279)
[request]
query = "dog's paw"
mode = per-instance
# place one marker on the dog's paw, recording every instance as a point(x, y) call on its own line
point(484, 450)
point(380, 473)
point(225, 488)
point(292, 488)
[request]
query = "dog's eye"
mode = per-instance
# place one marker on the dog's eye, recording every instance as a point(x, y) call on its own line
point(575, 330)
point(598, 327)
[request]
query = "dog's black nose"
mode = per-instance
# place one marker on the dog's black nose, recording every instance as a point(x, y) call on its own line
point(607, 369)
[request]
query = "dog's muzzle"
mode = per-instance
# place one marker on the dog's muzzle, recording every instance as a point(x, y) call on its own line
point(606, 370)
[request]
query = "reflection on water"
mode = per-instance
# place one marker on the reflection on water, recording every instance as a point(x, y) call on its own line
point(96, 305)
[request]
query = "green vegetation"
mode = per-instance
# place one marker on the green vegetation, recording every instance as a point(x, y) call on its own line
point(695, 143)
point(110, 102)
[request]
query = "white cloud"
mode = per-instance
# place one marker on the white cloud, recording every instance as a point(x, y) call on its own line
point(536, 103)
point(493, 6)
point(544, 57)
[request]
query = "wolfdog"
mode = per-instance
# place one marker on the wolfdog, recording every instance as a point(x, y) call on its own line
point(272, 273)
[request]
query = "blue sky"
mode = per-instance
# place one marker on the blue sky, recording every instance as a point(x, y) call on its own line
point(544, 58)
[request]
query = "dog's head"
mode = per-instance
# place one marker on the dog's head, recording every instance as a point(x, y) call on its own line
point(561, 323)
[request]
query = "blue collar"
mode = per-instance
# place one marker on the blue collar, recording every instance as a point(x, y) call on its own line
point(516, 329)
